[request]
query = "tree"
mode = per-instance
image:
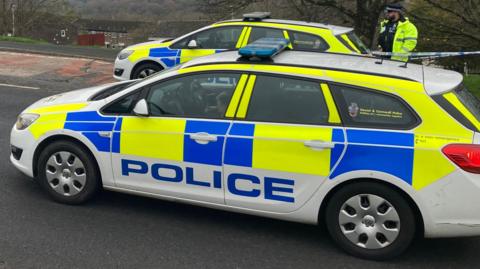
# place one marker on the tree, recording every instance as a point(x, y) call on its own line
point(449, 25)
point(223, 9)
point(450, 20)
point(5, 14)
point(364, 15)
point(31, 13)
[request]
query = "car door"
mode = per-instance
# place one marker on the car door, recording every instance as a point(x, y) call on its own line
point(177, 150)
point(283, 144)
point(210, 41)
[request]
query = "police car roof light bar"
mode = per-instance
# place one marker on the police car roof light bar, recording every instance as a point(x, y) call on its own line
point(256, 16)
point(264, 48)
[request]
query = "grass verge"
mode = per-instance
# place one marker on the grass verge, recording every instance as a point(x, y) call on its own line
point(472, 82)
point(21, 39)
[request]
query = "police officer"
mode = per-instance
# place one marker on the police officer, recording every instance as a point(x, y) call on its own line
point(397, 33)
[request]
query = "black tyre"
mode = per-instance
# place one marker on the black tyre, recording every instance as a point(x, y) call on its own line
point(68, 173)
point(370, 221)
point(145, 70)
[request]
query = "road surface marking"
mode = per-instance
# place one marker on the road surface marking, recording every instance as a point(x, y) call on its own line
point(19, 86)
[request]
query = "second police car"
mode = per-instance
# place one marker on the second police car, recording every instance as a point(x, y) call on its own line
point(377, 151)
point(142, 60)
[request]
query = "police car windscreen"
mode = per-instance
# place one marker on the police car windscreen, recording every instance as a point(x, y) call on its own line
point(111, 91)
point(353, 43)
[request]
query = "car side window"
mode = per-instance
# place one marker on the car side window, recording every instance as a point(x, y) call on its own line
point(286, 100)
point(213, 38)
point(123, 105)
point(261, 32)
point(368, 108)
point(303, 41)
point(199, 96)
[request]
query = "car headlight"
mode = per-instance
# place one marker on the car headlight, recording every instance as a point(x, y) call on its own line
point(25, 120)
point(124, 54)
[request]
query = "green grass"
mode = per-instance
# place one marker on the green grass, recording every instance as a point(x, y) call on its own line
point(472, 82)
point(21, 39)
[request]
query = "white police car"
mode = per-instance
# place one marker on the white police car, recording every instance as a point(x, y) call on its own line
point(142, 60)
point(378, 151)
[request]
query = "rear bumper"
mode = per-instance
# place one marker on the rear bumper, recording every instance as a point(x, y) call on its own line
point(453, 205)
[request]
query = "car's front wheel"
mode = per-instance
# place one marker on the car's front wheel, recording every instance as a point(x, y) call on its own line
point(145, 70)
point(67, 173)
point(370, 220)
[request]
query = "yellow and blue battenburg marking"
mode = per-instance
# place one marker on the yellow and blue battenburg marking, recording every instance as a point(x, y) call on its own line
point(241, 151)
point(375, 150)
point(172, 57)
point(90, 124)
point(388, 152)
point(210, 153)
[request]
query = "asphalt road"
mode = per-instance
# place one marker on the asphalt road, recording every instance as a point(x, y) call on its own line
point(122, 231)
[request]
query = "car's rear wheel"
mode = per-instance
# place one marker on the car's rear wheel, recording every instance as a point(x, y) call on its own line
point(145, 70)
point(67, 173)
point(370, 220)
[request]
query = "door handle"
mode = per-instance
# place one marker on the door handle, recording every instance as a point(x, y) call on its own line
point(319, 144)
point(105, 134)
point(203, 138)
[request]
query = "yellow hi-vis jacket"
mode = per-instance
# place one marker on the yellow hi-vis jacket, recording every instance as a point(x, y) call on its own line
point(405, 39)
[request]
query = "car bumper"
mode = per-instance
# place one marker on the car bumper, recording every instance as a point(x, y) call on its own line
point(453, 205)
point(122, 69)
point(22, 140)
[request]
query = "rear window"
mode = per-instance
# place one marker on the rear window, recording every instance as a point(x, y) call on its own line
point(463, 106)
point(366, 108)
point(353, 43)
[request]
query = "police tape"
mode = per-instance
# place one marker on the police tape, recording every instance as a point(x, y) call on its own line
point(425, 55)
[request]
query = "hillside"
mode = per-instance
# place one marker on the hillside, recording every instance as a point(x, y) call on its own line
point(144, 10)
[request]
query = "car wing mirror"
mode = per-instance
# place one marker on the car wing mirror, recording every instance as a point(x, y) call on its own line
point(141, 108)
point(192, 44)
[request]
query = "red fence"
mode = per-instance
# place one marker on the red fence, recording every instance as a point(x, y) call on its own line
point(91, 40)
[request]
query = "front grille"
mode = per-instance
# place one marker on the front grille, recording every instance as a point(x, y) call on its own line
point(118, 72)
point(17, 153)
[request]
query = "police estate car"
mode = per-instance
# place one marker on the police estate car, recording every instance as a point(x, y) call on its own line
point(142, 60)
point(377, 151)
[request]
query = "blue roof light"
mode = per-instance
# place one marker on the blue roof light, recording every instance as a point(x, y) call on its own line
point(264, 48)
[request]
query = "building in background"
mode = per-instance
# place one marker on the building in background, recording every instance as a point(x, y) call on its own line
point(109, 34)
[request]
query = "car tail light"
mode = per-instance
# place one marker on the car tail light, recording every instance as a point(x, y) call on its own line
point(467, 156)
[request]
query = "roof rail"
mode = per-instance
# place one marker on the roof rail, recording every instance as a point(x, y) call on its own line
point(256, 16)
point(264, 48)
